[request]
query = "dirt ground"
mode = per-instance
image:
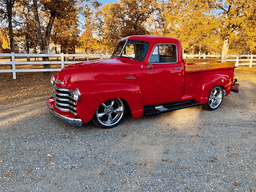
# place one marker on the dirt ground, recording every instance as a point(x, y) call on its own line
point(186, 150)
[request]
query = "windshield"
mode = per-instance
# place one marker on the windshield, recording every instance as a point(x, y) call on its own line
point(131, 49)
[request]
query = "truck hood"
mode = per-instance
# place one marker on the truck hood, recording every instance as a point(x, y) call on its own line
point(100, 70)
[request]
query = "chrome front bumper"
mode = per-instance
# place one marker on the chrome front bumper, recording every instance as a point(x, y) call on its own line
point(67, 120)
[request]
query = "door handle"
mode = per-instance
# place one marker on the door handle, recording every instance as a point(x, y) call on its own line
point(150, 67)
point(177, 68)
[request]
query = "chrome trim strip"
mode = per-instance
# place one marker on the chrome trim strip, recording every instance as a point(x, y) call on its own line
point(70, 121)
point(65, 105)
point(65, 110)
point(61, 89)
point(62, 94)
point(66, 100)
point(59, 82)
point(123, 48)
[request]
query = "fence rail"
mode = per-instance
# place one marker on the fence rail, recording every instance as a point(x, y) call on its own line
point(58, 61)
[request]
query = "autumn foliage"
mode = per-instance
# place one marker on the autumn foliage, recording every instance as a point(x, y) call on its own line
point(203, 26)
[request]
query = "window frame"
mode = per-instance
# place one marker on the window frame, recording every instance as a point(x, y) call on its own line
point(158, 53)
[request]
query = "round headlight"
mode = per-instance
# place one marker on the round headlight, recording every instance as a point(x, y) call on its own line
point(52, 80)
point(76, 95)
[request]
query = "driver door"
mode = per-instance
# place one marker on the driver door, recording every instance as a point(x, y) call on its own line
point(164, 76)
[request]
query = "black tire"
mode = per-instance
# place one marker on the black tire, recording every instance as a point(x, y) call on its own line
point(110, 113)
point(215, 98)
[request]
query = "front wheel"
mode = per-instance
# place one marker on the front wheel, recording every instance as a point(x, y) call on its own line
point(215, 98)
point(110, 113)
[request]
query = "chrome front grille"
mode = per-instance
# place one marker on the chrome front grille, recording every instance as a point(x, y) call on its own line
point(63, 100)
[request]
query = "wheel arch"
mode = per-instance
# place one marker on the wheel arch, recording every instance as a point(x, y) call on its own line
point(208, 82)
point(92, 96)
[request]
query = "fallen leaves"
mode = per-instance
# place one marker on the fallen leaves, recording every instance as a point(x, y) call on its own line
point(101, 173)
point(213, 144)
point(236, 184)
point(143, 164)
point(71, 167)
point(47, 161)
point(165, 160)
point(30, 171)
point(183, 168)
point(2, 154)
point(49, 155)
point(128, 179)
point(124, 136)
point(166, 152)
point(236, 154)
point(1, 161)
point(8, 174)
point(214, 159)
point(198, 135)
point(42, 177)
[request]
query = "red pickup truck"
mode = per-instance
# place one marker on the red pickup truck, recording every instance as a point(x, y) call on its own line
point(145, 75)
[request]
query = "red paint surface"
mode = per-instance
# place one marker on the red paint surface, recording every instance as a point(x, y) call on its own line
point(139, 86)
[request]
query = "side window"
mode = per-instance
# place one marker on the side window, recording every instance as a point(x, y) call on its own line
point(164, 54)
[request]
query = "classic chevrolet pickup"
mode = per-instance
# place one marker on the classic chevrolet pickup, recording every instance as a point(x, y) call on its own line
point(145, 75)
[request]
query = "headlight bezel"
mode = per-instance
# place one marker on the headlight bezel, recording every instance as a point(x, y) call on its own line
point(52, 80)
point(76, 95)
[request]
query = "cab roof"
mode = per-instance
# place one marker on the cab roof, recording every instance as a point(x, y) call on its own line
point(152, 39)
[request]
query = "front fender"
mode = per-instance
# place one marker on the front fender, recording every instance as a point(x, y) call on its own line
point(208, 82)
point(93, 95)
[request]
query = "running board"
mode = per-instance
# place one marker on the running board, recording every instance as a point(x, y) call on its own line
point(156, 109)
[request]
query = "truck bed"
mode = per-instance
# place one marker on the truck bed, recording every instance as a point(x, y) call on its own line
point(195, 65)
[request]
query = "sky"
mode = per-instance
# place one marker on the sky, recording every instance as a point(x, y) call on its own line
point(106, 1)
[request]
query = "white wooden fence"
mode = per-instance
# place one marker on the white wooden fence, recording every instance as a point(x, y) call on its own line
point(238, 59)
point(62, 60)
point(14, 59)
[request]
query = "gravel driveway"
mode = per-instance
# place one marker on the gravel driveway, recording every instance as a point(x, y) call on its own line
point(186, 150)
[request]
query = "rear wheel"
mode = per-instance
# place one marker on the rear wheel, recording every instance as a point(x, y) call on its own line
point(110, 113)
point(215, 98)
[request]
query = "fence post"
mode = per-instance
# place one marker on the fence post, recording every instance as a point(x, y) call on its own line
point(13, 66)
point(237, 58)
point(87, 58)
point(62, 60)
point(101, 56)
point(204, 56)
point(251, 61)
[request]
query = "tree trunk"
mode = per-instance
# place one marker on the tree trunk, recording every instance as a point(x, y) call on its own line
point(44, 42)
point(9, 5)
point(27, 46)
point(48, 32)
point(225, 49)
point(38, 26)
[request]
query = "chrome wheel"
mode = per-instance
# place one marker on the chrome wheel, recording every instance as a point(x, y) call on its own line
point(215, 98)
point(109, 113)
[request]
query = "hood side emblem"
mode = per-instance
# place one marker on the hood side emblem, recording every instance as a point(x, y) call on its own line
point(130, 77)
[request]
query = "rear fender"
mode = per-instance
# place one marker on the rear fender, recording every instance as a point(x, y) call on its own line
point(93, 95)
point(208, 82)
